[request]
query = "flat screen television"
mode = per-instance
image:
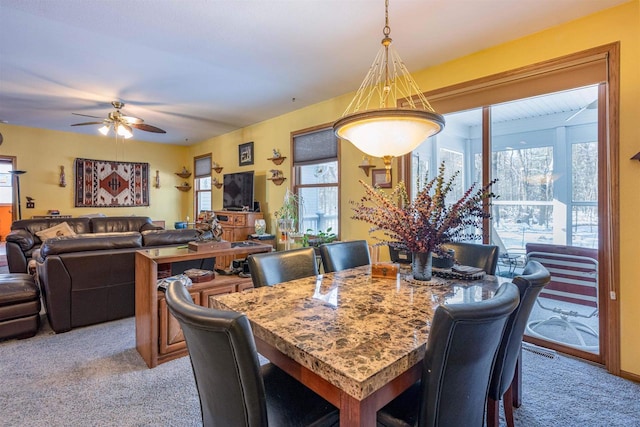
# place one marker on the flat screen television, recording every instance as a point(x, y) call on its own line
point(238, 191)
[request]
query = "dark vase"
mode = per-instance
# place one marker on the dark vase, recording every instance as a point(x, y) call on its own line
point(421, 265)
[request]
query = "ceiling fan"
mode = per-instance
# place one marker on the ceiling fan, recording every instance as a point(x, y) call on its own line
point(122, 125)
point(590, 106)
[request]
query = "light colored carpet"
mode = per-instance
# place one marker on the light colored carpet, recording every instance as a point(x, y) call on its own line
point(93, 376)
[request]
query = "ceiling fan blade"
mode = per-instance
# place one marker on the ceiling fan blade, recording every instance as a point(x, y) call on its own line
point(85, 115)
point(132, 119)
point(146, 127)
point(88, 123)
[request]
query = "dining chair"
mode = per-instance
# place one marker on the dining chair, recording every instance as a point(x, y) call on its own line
point(233, 388)
point(534, 277)
point(270, 268)
point(342, 255)
point(461, 349)
point(571, 295)
point(475, 255)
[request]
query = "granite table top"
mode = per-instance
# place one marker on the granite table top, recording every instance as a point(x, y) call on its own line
point(355, 331)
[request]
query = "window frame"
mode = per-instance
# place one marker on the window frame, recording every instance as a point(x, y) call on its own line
point(569, 71)
point(196, 184)
point(296, 180)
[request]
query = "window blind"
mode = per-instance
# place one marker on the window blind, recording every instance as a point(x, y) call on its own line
point(202, 166)
point(315, 147)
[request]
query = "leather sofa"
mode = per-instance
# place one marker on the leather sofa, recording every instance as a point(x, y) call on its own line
point(90, 277)
point(22, 241)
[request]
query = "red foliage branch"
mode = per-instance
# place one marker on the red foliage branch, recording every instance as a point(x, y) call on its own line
point(425, 223)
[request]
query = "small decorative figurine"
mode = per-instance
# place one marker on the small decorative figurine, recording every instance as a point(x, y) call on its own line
point(63, 179)
point(275, 173)
point(276, 153)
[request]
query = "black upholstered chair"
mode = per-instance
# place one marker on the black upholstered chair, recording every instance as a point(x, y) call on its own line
point(534, 277)
point(270, 268)
point(475, 255)
point(342, 255)
point(234, 389)
point(461, 349)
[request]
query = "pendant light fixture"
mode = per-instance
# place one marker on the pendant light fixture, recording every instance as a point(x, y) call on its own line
point(374, 123)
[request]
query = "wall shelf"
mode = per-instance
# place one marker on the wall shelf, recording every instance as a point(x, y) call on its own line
point(183, 187)
point(636, 157)
point(184, 174)
point(277, 160)
point(277, 181)
point(218, 169)
point(217, 184)
point(366, 168)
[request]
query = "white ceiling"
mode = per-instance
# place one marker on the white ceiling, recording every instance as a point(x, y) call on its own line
point(201, 68)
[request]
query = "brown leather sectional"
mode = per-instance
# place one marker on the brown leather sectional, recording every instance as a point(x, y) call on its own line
point(90, 278)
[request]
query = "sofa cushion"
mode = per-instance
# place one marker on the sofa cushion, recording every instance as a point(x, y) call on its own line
point(118, 224)
point(169, 237)
point(57, 230)
point(22, 238)
point(146, 227)
point(90, 242)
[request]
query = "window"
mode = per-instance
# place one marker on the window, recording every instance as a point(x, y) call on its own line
point(202, 183)
point(316, 179)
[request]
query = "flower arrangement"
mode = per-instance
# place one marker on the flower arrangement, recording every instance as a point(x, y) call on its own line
point(422, 225)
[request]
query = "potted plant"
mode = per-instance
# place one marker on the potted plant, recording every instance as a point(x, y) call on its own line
point(422, 225)
point(287, 216)
point(315, 240)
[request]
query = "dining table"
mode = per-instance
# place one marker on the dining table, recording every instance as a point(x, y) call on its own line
point(355, 339)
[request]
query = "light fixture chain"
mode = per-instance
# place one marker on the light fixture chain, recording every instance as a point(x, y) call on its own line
point(387, 29)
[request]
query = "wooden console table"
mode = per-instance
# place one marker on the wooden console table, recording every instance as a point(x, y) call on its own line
point(158, 335)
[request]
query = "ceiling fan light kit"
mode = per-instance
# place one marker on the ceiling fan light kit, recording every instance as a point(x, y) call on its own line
point(382, 129)
point(122, 125)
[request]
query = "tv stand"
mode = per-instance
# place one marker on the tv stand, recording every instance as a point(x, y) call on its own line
point(236, 227)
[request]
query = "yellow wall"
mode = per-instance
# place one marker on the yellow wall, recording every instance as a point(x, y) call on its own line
point(42, 152)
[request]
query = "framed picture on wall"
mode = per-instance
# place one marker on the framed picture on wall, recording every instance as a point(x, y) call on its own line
point(245, 154)
point(379, 178)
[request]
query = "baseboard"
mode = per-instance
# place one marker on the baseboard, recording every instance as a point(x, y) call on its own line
point(630, 376)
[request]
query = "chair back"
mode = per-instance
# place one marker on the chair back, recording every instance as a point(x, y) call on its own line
point(475, 255)
point(574, 273)
point(342, 255)
point(534, 277)
point(461, 349)
point(224, 361)
point(270, 268)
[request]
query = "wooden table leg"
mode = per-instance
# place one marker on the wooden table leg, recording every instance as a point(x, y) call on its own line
point(354, 413)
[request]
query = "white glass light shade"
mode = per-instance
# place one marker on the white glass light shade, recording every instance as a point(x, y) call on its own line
point(388, 132)
point(104, 130)
point(124, 131)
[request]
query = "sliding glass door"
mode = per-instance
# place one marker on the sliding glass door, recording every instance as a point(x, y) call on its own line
point(544, 152)
point(545, 155)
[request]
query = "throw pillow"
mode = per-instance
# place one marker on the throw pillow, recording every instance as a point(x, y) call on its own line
point(62, 229)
